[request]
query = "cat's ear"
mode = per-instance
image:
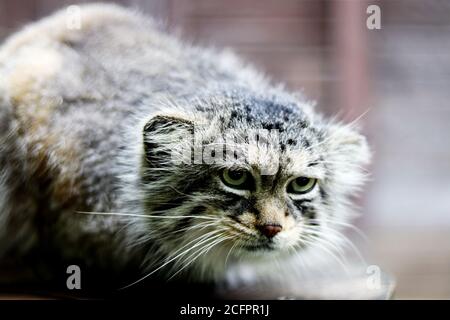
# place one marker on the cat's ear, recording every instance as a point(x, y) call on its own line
point(164, 137)
point(348, 153)
point(348, 145)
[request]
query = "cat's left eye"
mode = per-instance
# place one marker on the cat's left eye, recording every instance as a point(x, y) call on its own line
point(237, 179)
point(301, 185)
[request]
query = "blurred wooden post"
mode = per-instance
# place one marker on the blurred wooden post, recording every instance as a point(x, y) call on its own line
point(350, 58)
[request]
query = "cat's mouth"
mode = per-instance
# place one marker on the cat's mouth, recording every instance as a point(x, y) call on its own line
point(263, 246)
point(257, 244)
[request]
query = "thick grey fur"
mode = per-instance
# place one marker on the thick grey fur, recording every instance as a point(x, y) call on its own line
point(78, 108)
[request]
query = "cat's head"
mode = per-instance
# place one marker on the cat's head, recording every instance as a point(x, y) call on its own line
point(246, 177)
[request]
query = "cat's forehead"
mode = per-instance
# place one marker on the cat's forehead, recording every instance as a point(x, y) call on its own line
point(292, 119)
point(267, 112)
point(264, 109)
point(284, 121)
point(288, 152)
point(293, 161)
point(275, 134)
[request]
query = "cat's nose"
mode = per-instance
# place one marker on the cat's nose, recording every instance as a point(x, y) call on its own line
point(270, 230)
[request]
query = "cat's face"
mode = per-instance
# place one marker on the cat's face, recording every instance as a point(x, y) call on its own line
point(254, 179)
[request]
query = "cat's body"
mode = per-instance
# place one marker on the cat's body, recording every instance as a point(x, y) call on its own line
point(77, 121)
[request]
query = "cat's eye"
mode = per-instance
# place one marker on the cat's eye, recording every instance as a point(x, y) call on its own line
point(301, 185)
point(238, 179)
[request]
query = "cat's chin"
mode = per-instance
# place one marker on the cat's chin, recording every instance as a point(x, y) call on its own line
point(272, 248)
point(264, 252)
point(214, 268)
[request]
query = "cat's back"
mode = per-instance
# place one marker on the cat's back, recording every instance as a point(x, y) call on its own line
point(72, 78)
point(80, 53)
point(62, 104)
point(108, 56)
point(61, 109)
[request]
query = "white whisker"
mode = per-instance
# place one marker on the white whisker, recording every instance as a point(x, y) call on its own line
point(172, 259)
point(144, 215)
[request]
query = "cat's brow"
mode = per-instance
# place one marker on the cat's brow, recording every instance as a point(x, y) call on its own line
point(305, 171)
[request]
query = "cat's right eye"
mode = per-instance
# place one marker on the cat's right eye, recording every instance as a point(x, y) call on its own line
point(301, 185)
point(237, 179)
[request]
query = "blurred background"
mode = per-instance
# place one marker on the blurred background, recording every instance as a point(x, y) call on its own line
point(397, 76)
